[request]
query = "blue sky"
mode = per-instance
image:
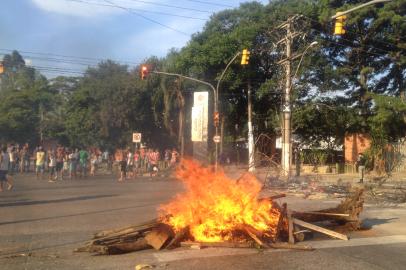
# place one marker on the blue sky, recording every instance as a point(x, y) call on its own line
point(46, 32)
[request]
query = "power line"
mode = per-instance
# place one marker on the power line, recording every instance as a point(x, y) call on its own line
point(140, 10)
point(209, 3)
point(148, 19)
point(68, 58)
point(171, 6)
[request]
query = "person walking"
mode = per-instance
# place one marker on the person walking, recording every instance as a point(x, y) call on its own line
point(4, 166)
point(174, 157)
point(361, 167)
point(93, 164)
point(60, 154)
point(130, 164)
point(167, 158)
point(73, 159)
point(83, 160)
point(137, 163)
point(40, 163)
point(52, 166)
point(13, 159)
point(122, 163)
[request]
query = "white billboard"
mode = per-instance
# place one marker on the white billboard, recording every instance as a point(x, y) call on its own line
point(200, 116)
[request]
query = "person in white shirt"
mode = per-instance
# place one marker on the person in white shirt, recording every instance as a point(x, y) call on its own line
point(4, 166)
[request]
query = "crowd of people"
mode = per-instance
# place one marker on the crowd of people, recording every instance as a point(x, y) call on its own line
point(132, 163)
point(61, 162)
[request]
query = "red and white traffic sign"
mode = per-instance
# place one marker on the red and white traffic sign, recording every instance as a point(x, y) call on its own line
point(136, 137)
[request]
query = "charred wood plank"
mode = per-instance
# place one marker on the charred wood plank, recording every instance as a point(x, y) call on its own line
point(319, 229)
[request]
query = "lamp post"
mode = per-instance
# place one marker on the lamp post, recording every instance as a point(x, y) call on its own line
point(217, 92)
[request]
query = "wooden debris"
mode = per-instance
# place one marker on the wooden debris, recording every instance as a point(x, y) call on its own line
point(290, 246)
point(319, 229)
point(179, 237)
point(291, 239)
point(159, 236)
point(218, 244)
point(254, 234)
point(347, 212)
point(273, 197)
point(129, 229)
point(120, 248)
point(324, 214)
point(244, 245)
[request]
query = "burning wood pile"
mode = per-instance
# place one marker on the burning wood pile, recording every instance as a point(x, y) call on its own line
point(216, 211)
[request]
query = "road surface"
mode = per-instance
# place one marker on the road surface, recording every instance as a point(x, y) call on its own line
point(42, 223)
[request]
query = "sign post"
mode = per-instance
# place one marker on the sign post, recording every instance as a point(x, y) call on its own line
point(137, 138)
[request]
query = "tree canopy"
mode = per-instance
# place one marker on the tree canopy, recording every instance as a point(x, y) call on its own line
point(349, 83)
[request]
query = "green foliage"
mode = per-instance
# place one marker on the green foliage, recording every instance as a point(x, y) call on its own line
point(350, 83)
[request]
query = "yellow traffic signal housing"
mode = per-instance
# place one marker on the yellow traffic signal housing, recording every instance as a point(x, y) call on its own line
point(339, 25)
point(1, 68)
point(144, 72)
point(245, 57)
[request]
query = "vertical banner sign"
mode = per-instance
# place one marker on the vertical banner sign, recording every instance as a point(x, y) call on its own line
point(197, 124)
point(201, 99)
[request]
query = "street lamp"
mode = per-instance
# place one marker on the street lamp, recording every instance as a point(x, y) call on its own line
point(215, 94)
point(216, 104)
point(311, 45)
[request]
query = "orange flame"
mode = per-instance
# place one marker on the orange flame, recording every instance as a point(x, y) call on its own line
point(214, 206)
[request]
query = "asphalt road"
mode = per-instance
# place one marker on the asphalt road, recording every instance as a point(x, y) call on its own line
point(41, 224)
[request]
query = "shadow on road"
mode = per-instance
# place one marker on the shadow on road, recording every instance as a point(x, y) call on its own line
point(75, 215)
point(81, 198)
point(370, 222)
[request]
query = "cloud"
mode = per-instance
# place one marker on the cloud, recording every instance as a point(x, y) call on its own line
point(73, 8)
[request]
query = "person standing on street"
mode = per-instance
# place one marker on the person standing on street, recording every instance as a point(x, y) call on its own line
point(130, 164)
point(361, 167)
point(83, 159)
point(60, 154)
point(40, 162)
point(4, 165)
point(52, 166)
point(73, 160)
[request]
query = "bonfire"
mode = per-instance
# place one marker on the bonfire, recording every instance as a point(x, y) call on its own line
point(214, 207)
point(216, 211)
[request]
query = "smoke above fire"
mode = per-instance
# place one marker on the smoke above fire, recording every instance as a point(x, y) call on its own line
point(214, 206)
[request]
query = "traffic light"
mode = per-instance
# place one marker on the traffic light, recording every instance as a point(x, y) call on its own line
point(1, 68)
point(216, 119)
point(144, 72)
point(339, 25)
point(245, 57)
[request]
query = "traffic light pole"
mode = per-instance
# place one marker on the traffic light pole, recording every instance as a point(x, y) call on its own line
point(215, 95)
point(340, 13)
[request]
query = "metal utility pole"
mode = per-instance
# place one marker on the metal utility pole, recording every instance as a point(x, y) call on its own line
point(251, 159)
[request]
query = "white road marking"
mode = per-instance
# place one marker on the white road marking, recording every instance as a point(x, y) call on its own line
point(168, 256)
